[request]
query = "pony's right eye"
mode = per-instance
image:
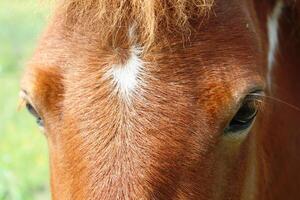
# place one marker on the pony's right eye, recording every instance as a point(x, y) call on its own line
point(34, 113)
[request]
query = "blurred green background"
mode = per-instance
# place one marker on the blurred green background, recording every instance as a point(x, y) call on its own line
point(23, 149)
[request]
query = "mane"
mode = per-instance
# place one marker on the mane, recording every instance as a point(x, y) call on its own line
point(148, 18)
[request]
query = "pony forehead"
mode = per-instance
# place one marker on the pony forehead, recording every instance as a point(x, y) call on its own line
point(149, 17)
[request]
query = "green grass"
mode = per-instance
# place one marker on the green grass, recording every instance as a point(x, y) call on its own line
point(23, 148)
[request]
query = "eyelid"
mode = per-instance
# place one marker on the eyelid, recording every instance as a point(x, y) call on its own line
point(23, 95)
point(25, 99)
point(256, 96)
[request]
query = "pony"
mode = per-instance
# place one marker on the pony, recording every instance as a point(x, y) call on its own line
point(163, 99)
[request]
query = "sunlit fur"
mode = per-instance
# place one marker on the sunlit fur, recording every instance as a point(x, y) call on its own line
point(159, 132)
point(149, 17)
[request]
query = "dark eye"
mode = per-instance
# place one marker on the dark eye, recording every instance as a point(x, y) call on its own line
point(245, 116)
point(32, 111)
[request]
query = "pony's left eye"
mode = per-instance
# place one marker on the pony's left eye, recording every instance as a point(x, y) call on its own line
point(245, 116)
point(32, 111)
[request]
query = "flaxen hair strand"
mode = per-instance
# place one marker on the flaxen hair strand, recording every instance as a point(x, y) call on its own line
point(148, 18)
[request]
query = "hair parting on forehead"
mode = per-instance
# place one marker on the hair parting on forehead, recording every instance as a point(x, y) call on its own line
point(147, 17)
